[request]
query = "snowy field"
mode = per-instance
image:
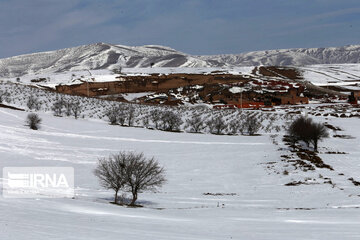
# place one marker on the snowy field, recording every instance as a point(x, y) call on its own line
point(254, 203)
point(333, 74)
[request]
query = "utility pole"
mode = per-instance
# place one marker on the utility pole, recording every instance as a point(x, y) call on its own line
point(87, 83)
point(87, 87)
point(241, 100)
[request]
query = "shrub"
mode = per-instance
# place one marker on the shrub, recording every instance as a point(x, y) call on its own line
point(33, 121)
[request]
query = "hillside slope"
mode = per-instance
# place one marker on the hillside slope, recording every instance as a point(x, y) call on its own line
point(295, 57)
point(252, 201)
point(107, 56)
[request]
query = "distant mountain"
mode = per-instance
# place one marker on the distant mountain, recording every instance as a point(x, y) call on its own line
point(292, 57)
point(107, 56)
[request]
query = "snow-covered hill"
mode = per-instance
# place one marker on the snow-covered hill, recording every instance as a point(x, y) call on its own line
point(96, 56)
point(294, 57)
point(107, 56)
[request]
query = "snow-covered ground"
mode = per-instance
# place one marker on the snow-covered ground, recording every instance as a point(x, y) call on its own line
point(78, 77)
point(333, 74)
point(255, 203)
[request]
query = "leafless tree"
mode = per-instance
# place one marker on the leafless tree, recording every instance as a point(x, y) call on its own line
point(68, 107)
point(33, 121)
point(122, 115)
point(236, 126)
point(76, 109)
point(33, 103)
point(130, 115)
point(142, 174)
point(111, 174)
point(112, 113)
point(131, 172)
point(252, 125)
point(4, 96)
point(58, 107)
point(145, 121)
point(196, 123)
point(304, 129)
point(170, 121)
point(216, 125)
point(155, 116)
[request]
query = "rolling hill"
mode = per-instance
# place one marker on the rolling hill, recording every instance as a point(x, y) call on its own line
point(106, 56)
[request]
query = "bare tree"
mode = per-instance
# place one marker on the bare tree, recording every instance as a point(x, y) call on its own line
point(170, 121)
point(318, 132)
point(4, 96)
point(145, 121)
point(33, 121)
point(216, 125)
point(196, 123)
point(142, 174)
point(122, 115)
point(112, 113)
point(58, 107)
point(155, 116)
point(304, 129)
point(68, 107)
point(111, 174)
point(33, 103)
point(130, 115)
point(236, 126)
point(76, 109)
point(131, 172)
point(252, 125)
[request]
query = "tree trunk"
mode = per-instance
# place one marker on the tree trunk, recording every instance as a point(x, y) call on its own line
point(315, 145)
point(134, 194)
point(116, 196)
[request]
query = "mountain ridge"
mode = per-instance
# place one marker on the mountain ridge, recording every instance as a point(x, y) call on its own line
point(111, 56)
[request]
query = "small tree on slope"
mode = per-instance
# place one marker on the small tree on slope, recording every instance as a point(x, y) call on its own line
point(33, 121)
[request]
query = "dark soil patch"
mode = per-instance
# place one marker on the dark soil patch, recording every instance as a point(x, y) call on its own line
point(356, 183)
point(313, 158)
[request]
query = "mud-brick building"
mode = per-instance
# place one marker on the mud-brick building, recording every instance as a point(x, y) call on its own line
point(293, 96)
point(354, 97)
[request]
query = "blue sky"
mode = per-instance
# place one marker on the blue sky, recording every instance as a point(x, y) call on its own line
point(192, 26)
